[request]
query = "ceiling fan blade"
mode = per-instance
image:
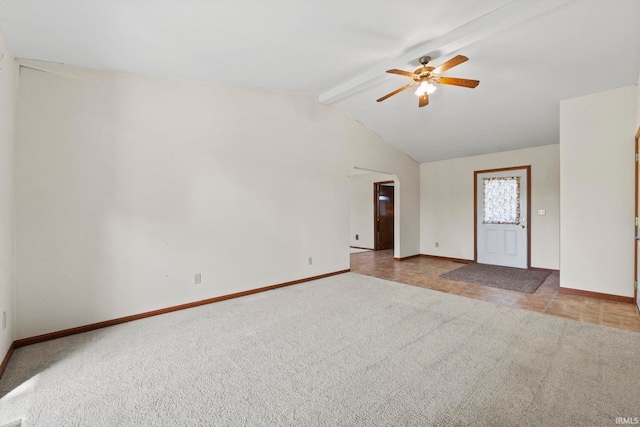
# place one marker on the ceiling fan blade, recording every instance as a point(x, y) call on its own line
point(456, 60)
point(395, 91)
point(402, 73)
point(423, 100)
point(458, 82)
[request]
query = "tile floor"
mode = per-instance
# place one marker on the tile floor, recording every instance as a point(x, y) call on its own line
point(425, 272)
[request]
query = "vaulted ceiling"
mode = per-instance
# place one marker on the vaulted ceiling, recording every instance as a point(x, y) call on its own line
point(528, 56)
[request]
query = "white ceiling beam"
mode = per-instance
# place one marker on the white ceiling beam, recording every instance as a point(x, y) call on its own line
point(505, 17)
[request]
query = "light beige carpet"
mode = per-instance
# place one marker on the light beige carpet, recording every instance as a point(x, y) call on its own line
point(359, 250)
point(345, 350)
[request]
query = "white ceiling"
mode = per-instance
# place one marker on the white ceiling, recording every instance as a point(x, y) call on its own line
point(527, 54)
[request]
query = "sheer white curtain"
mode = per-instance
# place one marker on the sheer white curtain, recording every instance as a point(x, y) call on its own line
point(501, 200)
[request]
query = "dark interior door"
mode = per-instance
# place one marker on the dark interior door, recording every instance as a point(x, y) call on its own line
point(384, 216)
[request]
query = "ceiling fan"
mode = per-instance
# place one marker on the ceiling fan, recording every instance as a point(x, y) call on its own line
point(426, 76)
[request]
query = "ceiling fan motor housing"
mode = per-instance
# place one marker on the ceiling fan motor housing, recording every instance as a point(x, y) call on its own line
point(424, 73)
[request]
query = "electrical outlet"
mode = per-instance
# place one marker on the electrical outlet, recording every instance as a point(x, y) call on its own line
point(4, 320)
point(310, 261)
point(437, 245)
point(197, 278)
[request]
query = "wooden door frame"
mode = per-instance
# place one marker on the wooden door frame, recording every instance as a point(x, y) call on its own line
point(527, 168)
point(375, 212)
point(635, 240)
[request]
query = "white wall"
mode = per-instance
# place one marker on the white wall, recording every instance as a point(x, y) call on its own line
point(127, 185)
point(446, 203)
point(361, 208)
point(7, 107)
point(597, 191)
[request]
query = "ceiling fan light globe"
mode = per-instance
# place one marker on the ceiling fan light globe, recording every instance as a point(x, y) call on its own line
point(423, 88)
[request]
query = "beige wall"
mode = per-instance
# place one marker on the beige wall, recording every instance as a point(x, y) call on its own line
point(7, 98)
point(127, 185)
point(446, 203)
point(361, 208)
point(597, 191)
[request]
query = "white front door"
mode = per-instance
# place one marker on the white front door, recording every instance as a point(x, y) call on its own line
point(502, 218)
